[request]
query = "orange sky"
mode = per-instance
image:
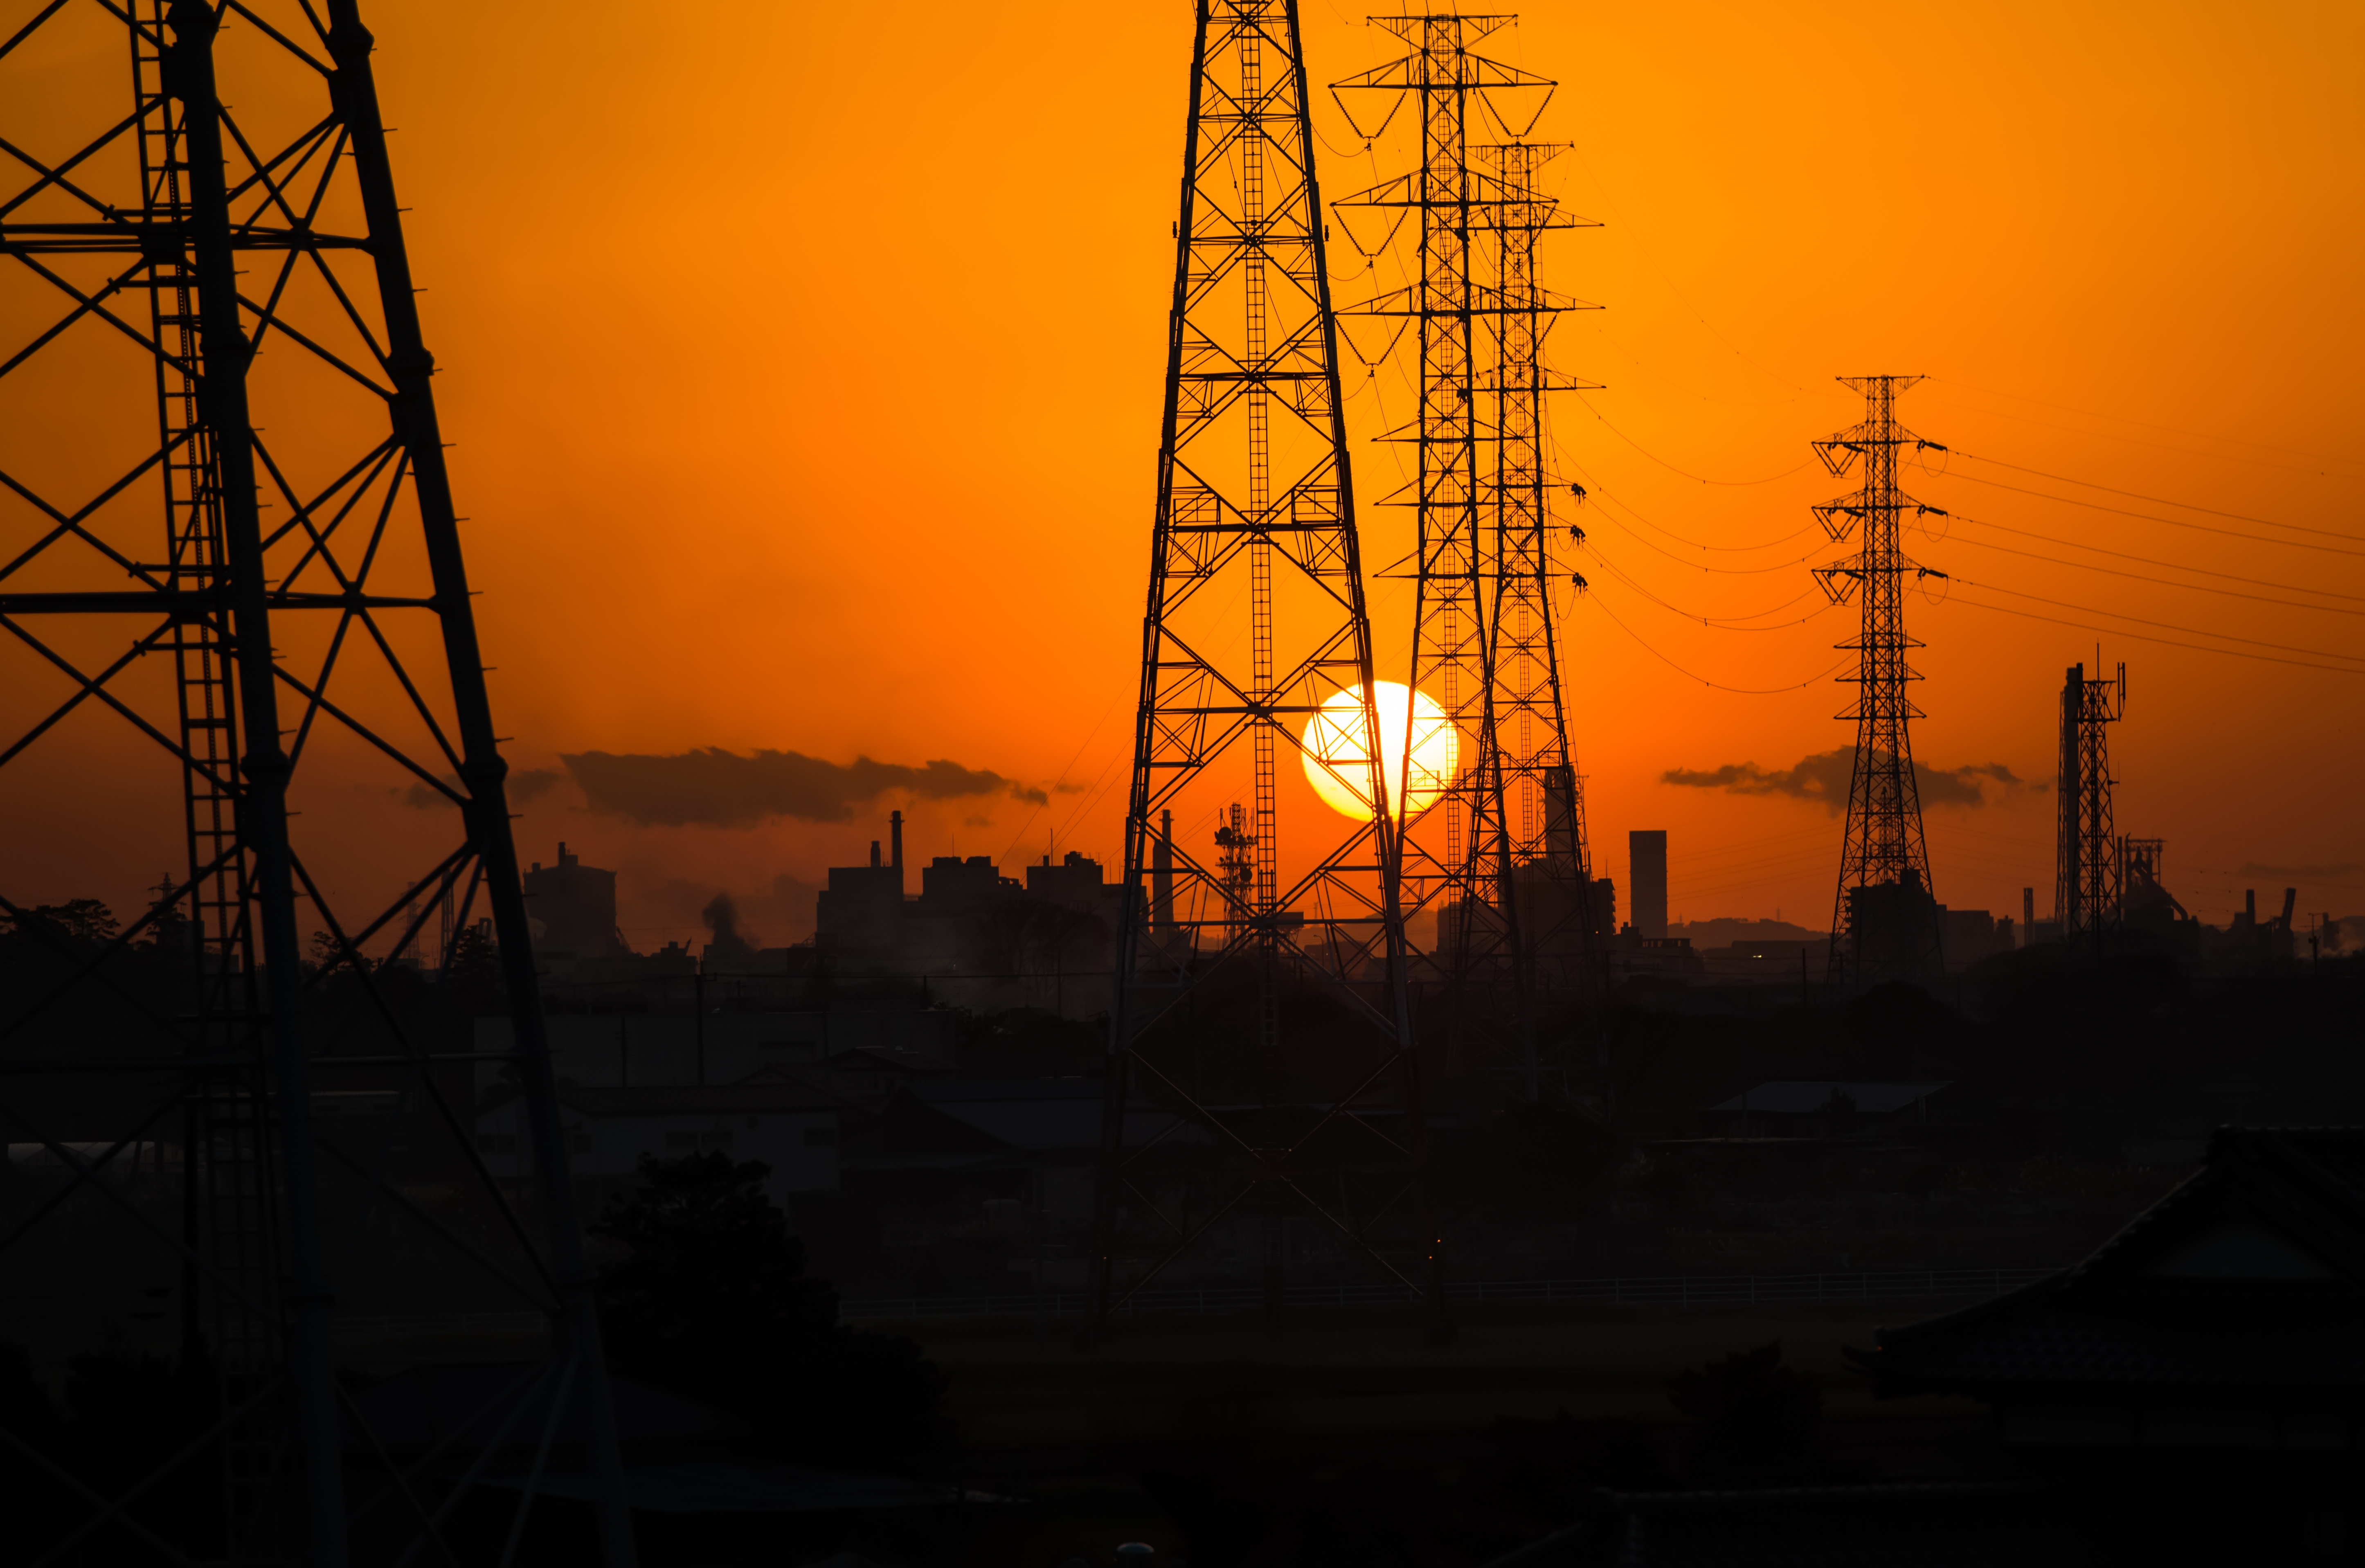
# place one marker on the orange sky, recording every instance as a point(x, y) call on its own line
point(805, 365)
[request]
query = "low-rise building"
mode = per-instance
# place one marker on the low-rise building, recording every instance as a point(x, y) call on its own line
point(1836, 1108)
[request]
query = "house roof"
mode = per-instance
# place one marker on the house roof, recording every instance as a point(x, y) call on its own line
point(2246, 1278)
point(1893, 1524)
point(979, 1123)
point(1808, 1096)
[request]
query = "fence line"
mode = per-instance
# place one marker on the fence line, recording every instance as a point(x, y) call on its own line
point(1667, 1289)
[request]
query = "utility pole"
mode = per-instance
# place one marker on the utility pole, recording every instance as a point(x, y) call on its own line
point(1255, 504)
point(1500, 854)
point(2091, 880)
point(1885, 923)
point(308, 591)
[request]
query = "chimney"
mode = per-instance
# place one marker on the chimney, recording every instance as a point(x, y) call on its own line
point(874, 854)
point(2250, 905)
point(564, 857)
point(895, 842)
point(2027, 915)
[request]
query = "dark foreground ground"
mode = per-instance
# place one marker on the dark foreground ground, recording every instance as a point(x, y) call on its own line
point(1349, 1441)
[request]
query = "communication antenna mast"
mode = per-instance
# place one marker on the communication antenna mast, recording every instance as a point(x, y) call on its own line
point(2087, 896)
point(218, 331)
point(1498, 850)
point(1260, 1064)
point(1885, 925)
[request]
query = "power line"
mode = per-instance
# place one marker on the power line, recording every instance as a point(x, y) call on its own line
point(1725, 623)
point(2144, 560)
point(2142, 637)
point(1703, 566)
point(1629, 231)
point(2188, 631)
point(2164, 582)
point(1734, 484)
point(2171, 521)
point(1561, 452)
point(2160, 500)
point(2122, 419)
point(1737, 690)
point(1986, 413)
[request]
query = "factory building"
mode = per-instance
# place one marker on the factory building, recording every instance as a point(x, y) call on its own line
point(572, 911)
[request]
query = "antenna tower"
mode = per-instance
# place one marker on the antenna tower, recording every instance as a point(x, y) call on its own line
point(1497, 851)
point(2088, 889)
point(234, 588)
point(1885, 926)
point(1260, 1069)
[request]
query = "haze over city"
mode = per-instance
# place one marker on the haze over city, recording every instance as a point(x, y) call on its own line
point(842, 444)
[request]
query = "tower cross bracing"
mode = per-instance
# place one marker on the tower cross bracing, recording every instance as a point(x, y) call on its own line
point(233, 588)
point(1500, 855)
point(2089, 885)
point(1260, 1069)
point(1885, 923)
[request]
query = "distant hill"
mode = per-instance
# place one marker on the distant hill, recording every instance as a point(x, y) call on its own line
point(1724, 933)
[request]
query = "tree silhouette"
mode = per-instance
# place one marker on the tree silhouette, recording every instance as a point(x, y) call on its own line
point(712, 1303)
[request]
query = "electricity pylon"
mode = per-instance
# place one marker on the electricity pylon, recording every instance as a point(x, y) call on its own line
point(1260, 1068)
point(185, 278)
point(1498, 850)
point(1548, 892)
point(1885, 923)
point(2086, 892)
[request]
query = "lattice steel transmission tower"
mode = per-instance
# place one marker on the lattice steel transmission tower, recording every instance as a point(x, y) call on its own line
point(1885, 926)
point(1496, 850)
point(2088, 889)
point(1261, 1072)
point(234, 591)
point(1547, 895)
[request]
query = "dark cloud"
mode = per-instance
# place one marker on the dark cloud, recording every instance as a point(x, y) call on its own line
point(533, 783)
point(722, 789)
point(1824, 777)
point(523, 786)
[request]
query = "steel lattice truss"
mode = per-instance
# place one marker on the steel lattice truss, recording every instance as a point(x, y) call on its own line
point(1885, 926)
point(1260, 1064)
point(233, 576)
point(2090, 881)
point(1500, 855)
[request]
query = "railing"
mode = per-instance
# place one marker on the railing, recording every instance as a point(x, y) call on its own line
point(1667, 1289)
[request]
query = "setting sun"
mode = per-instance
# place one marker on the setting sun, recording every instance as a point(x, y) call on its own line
point(1334, 757)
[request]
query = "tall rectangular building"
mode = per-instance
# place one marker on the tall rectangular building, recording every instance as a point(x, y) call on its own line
point(1646, 880)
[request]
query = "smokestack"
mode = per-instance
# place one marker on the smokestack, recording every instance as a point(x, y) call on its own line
point(2250, 905)
point(874, 854)
point(2027, 915)
point(895, 838)
point(1161, 873)
point(2291, 899)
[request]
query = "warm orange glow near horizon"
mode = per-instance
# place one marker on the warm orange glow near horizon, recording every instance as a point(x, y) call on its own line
point(804, 364)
